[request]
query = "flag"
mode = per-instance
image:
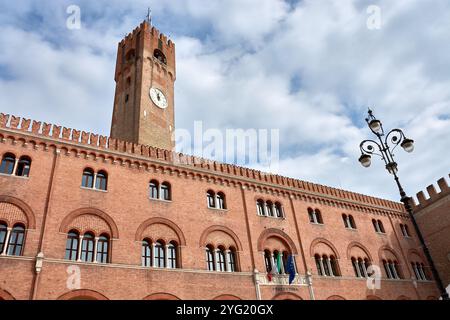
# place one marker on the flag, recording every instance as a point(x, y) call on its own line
point(271, 273)
point(290, 268)
point(279, 263)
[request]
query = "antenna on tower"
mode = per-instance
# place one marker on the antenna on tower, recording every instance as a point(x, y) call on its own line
point(149, 16)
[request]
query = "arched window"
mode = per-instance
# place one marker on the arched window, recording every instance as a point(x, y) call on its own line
point(378, 226)
point(402, 228)
point(260, 207)
point(315, 216)
point(352, 222)
point(392, 269)
point(72, 245)
point(277, 260)
point(422, 271)
point(375, 225)
point(269, 208)
point(419, 270)
point(349, 222)
point(396, 268)
point(319, 265)
point(101, 181)
point(154, 189)
point(165, 191)
point(16, 240)
point(210, 258)
point(146, 253)
point(103, 249)
point(3, 233)
point(285, 256)
point(87, 248)
point(220, 260)
point(210, 196)
point(405, 230)
point(23, 167)
point(172, 255)
point(366, 266)
point(8, 162)
point(319, 216)
point(334, 266)
point(344, 218)
point(88, 178)
point(159, 255)
point(381, 227)
point(416, 271)
point(231, 260)
point(160, 56)
point(387, 269)
point(311, 216)
point(356, 268)
point(407, 233)
point(268, 260)
point(326, 265)
point(362, 267)
point(221, 200)
point(278, 210)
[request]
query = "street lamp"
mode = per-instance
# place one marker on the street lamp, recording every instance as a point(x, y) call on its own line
point(382, 148)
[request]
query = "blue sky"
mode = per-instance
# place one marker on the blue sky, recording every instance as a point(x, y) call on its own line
point(308, 68)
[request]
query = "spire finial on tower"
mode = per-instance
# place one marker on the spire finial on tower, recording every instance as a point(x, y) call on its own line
point(149, 16)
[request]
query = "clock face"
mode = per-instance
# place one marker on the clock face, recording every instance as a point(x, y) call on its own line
point(158, 98)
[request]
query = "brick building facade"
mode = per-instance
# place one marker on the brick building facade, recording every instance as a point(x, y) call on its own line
point(84, 216)
point(433, 217)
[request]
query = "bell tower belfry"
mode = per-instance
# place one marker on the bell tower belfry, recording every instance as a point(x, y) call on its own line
point(144, 97)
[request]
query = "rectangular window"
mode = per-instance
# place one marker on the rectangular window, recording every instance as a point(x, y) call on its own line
point(211, 203)
point(319, 267)
point(172, 257)
point(210, 259)
point(267, 260)
point(159, 256)
point(72, 249)
point(231, 262)
point(88, 181)
point(102, 251)
point(87, 250)
point(220, 259)
point(146, 255)
point(153, 191)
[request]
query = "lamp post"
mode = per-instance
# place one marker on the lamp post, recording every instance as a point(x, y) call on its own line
point(382, 148)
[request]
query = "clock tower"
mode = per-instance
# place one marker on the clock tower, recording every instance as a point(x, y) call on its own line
point(144, 97)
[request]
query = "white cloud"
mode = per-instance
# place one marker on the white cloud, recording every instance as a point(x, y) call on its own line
point(235, 65)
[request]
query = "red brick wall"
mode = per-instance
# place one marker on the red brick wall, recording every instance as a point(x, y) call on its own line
point(127, 207)
point(433, 218)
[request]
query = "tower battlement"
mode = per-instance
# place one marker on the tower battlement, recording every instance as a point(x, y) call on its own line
point(145, 27)
point(433, 195)
point(145, 66)
point(141, 43)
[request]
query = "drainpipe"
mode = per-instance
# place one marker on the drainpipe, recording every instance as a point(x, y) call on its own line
point(40, 255)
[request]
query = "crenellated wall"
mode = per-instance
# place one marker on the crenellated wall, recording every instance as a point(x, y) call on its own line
point(106, 143)
point(51, 201)
point(433, 217)
point(433, 195)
